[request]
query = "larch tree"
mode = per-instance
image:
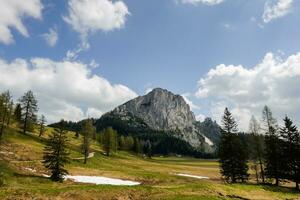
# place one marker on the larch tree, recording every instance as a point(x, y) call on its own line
point(272, 145)
point(290, 151)
point(56, 155)
point(257, 149)
point(29, 109)
point(233, 156)
point(109, 140)
point(6, 105)
point(87, 131)
point(42, 125)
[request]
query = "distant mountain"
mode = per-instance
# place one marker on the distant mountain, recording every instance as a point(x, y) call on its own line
point(159, 111)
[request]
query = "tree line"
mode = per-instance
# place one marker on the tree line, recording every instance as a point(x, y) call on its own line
point(270, 150)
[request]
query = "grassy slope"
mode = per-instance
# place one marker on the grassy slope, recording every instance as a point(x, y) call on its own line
point(157, 175)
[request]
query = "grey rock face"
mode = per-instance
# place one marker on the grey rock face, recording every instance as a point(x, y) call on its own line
point(162, 110)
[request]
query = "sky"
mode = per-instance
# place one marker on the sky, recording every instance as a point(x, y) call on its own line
point(82, 58)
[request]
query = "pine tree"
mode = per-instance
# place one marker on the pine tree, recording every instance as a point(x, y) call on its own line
point(5, 106)
point(29, 108)
point(272, 143)
point(291, 151)
point(18, 113)
point(87, 132)
point(56, 155)
point(257, 150)
point(42, 125)
point(233, 156)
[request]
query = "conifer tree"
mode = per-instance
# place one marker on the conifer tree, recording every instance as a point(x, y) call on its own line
point(272, 143)
point(29, 109)
point(5, 106)
point(257, 151)
point(291, 151)
point(109, 141)
point(233, 156)
point(42, 125)
point(137, 146)
point(122, 142)
point(18, 113)
point(56, 155)
point(87, 132)
point(148, 149)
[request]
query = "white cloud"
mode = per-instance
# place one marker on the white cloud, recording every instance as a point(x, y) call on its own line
point(51, 37)
point(274, 82)
point(189, 102)
point(64, 89)
point(11, 14)
point(206, 2)
point(148, 90)
point(93, 64)
point(276, 10)
point(200, 117)
point(88, 16)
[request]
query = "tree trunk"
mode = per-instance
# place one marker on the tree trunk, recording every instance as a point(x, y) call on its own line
point(277, 181)
point(85, 157)
point(262, 170)
point(26, 118)
point(297, 186)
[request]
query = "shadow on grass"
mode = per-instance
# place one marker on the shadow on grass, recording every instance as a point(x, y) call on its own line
point(281, 189)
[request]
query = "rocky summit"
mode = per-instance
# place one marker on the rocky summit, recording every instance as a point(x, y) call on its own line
point(162, 110)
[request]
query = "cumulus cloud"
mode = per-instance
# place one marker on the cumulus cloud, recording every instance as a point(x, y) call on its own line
point(276, 10)
point(186, 97)
point(11, 14)
point(51, 37)
point(64, 89)
point(206, 2)
point(274, 82)
point(88, 16)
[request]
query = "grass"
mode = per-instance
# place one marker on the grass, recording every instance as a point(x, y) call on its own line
point(157, 175)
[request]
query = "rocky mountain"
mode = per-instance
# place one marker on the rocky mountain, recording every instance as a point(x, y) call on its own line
point(161, 110)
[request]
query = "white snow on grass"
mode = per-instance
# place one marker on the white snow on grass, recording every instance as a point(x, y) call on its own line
point(29, 169)
point(193, 176)
point(100, 180)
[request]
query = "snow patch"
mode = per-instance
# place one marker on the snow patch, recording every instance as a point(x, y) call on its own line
point(193, 176)
point(29, 169)
point(100, 180)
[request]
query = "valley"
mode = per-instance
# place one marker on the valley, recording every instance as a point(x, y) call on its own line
point(21, 157)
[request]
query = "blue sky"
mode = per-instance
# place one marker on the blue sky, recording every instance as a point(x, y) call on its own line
point(162, 43)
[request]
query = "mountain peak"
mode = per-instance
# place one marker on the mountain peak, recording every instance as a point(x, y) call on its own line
point(160, 109)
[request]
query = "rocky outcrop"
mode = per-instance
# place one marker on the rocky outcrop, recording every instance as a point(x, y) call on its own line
point(162, 110)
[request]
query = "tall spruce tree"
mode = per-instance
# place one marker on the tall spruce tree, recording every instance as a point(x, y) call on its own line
point(29, 109)
point(233, 156)
point(87, 131)
point(290, 151)
point(272, 145)
point(56, 155)
point(257, 149)
point(42, 125)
